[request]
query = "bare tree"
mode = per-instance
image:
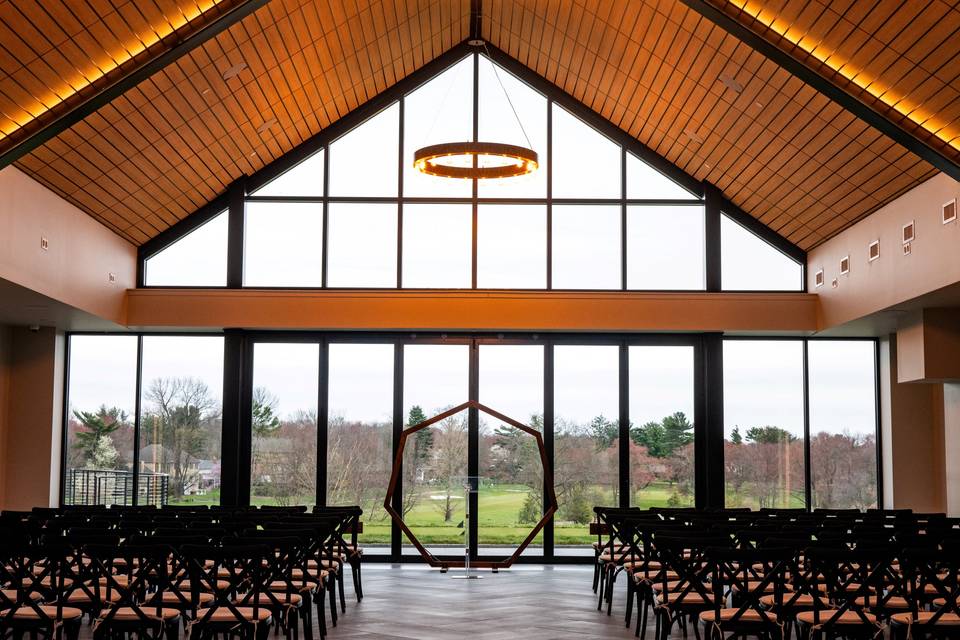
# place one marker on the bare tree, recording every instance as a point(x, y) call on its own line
point(449, 461)
point(178, 413)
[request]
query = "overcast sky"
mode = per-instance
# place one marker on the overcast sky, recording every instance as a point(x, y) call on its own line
point(762, 378)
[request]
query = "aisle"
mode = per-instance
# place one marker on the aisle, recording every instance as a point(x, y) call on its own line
point(526, 603)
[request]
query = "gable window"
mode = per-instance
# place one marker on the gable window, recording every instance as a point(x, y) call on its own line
point(349, 210)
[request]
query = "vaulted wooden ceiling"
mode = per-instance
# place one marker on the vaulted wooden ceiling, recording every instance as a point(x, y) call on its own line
point(776, 147)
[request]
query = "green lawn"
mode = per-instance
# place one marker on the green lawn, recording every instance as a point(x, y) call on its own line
point(499, 508)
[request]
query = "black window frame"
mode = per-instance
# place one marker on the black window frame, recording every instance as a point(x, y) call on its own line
point(707, 418)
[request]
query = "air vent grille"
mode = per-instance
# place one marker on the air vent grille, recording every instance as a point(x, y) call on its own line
point(873, 251)
point(950, 211)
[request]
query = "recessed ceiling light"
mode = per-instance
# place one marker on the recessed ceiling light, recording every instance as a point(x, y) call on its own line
point(731, 83)
point(266, 125)
point(253, 153)
point(205, 91)
point(234, 71)
point(758, 105)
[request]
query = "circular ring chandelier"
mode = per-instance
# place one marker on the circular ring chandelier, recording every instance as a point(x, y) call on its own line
point(479, 160)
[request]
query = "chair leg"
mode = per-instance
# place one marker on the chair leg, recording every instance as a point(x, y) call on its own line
point(602, 587)
point(358, 579)
point(596, 571)
point(610, 583)
point(332, 589)
point(629, 608)
point(340, 580)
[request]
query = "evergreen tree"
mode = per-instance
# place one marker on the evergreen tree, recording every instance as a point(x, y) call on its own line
point(735, 436)
point(677, 433)
point(264, 421)
point(769, 435)
point(99, 425)
point(605, 432)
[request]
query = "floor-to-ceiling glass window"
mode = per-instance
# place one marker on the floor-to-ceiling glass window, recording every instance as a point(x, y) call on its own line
point(180, 426)
point(360, 434)
point(510, 501)
point(843, 424)
point(586, 439)
point(283, 455)
point(763, 423)
point(661, 426)
point(100, 420)
point(435, 380)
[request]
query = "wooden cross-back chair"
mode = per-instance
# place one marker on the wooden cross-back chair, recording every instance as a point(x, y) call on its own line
point(133, 578)
point(748, 577)
point(227, 573)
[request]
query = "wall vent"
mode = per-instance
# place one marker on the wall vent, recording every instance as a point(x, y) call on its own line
point(949, 211)
point(818, 278)
point(873, 251)
point(844, 265)
point(908, 248)
point(909, 232)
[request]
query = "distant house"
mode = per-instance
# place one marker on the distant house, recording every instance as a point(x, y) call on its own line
point(200, 476)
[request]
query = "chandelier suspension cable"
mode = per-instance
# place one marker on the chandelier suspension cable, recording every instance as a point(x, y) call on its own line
point(446, 95)
point(516, 116)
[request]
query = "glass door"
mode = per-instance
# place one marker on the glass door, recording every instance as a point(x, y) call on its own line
point(283, 452)
point(510, 500)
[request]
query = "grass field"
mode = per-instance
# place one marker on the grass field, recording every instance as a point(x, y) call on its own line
point(499, 508)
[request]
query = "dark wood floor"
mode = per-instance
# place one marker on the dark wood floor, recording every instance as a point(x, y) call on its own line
point(525, 603)
point(531, 602)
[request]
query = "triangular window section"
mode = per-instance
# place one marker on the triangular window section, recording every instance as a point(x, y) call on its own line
point(304, 179)
point(198, 259)
point(748, 263)
point(646, 183)
point(598, 214)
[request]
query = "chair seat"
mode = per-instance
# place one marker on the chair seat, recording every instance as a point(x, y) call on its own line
point(924, 617)
point(312, 574)
point(169, 597)
point(223, 614)
point(128, 614)
point(264, 600)
point(47, 582)
point(67, 613)
point(893, 602)
point(302, 586)
point(801, 601)
point(11, 594)
point(99, 593)
point(674, 598)
point(657, 577)
point(753, 585)
point(846, 618)
point(726, 614)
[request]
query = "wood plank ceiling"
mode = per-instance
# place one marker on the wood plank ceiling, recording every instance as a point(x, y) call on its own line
point(682, 86)
point(173, 143)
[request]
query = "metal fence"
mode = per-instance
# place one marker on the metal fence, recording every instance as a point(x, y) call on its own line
point(112, 486)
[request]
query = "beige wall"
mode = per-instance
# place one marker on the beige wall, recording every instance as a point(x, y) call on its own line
point(82, 253)
point(5, 348)
point(928, 346)
point(912, 437)
point(34, 409)
point(473, 310)
point(933, 263)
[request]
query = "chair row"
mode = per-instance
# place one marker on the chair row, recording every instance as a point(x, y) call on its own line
point(233, 575)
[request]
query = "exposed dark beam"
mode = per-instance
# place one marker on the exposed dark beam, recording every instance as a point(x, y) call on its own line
point(59, 119)
point(879, 115)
